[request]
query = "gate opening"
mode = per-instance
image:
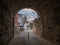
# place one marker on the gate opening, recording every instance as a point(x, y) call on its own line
point(26, 17)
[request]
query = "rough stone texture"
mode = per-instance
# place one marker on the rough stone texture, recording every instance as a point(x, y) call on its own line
point(6, 24)
point(16, 25)
point(7, 28)
point(0, 31)
point(37, 26)
point(16, 20)
point(50, 18)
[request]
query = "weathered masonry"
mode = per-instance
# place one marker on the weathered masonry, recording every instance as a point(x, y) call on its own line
point(48, 25)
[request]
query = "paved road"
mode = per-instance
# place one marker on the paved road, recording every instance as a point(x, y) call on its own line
point(23, 38)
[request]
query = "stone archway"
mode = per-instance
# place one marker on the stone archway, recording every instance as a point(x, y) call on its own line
point(9, 9)
point(37, 22)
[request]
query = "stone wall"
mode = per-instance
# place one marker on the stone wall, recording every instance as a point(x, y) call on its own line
point(16, 25)
point(37, 26)
point(50, 22)
point(56, 24)
point(0, 30)
point(6, 23)
point(50, 19)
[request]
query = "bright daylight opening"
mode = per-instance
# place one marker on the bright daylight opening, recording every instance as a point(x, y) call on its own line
point(26, 17)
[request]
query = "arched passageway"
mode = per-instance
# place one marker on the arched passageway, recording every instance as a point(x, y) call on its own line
point(25, 17)
point(23, 31)
point(50, 18)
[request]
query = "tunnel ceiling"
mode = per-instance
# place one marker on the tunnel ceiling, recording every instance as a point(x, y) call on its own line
point(14, 5)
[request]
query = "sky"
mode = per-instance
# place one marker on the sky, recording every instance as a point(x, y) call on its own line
point(29, 13)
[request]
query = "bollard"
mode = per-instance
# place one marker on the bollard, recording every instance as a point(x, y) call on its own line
point(28, 34)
